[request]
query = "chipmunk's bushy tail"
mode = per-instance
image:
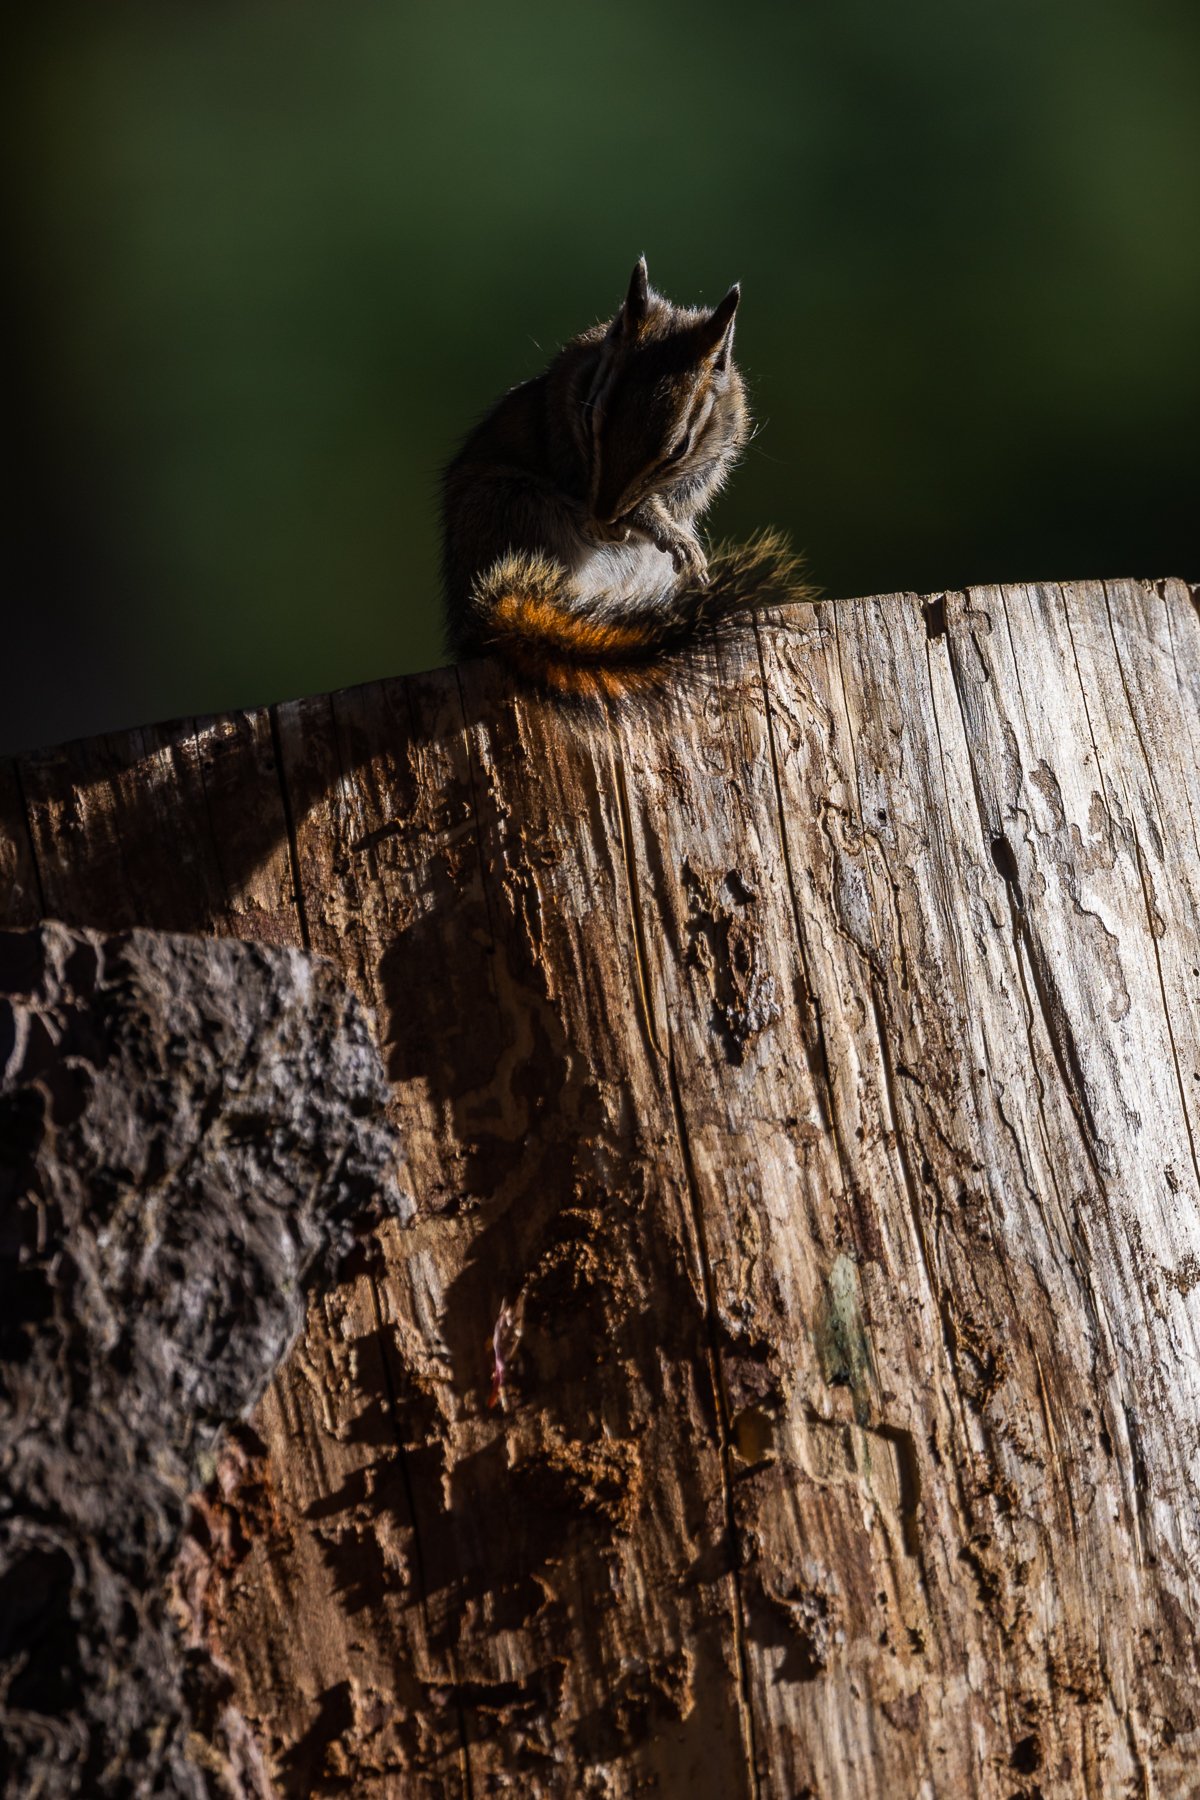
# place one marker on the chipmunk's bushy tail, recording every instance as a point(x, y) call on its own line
point(523, 609)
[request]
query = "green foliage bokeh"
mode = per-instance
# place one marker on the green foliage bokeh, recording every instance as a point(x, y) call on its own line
point(274, 258)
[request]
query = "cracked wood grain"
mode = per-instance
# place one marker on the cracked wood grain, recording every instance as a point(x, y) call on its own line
point(810, 1063)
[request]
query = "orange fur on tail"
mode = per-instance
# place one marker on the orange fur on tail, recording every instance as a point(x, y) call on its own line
point(526, 612)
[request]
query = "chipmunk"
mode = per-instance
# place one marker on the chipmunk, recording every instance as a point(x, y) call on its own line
point(570, 541)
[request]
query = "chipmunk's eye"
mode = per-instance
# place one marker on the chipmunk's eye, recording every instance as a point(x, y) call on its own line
point(681, 448)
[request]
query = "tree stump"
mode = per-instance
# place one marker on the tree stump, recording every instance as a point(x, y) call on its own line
point(786, 1383)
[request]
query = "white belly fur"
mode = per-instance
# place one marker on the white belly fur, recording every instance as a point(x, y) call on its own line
point(627, 574)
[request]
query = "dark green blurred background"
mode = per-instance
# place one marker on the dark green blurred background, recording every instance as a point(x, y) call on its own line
point(272, 259)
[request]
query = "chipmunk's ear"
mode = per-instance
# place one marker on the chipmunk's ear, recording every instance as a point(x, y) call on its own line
point(635, 305)
point(716, 332)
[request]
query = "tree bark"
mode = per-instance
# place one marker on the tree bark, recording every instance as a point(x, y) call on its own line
point(186, 1128)
point(787, 1382)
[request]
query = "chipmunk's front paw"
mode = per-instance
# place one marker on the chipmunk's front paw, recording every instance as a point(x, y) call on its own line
point(690, 561)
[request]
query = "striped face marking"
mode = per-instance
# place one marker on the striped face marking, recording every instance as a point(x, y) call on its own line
point(659, 409)
point(650, 430)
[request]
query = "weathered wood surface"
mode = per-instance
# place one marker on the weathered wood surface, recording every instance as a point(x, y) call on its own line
point(812, 1063)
